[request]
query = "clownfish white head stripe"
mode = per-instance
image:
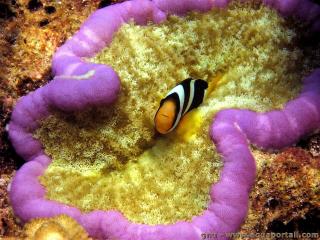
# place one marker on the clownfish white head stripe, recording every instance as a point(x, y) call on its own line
point(184, 97)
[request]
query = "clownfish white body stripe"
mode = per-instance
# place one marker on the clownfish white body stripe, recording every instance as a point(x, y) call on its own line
point(184, 97)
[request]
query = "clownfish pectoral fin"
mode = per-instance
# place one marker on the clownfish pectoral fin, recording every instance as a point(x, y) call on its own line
point(189, 125)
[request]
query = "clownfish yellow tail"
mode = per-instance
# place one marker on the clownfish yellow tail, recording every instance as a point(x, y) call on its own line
point(214, 82)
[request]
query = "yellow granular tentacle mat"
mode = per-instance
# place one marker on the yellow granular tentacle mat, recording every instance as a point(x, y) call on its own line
point(110, 158)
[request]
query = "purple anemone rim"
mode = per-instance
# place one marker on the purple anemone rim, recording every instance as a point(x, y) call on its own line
point(78, 85)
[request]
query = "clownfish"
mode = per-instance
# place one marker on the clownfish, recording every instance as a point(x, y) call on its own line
point(184, 97)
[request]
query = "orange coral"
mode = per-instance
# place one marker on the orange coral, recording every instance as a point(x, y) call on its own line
point(61, 227)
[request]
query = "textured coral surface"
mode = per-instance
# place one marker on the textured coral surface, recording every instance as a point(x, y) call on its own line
point(171, 181)
point(9, 226)
point(11, 94)
point(285, 197)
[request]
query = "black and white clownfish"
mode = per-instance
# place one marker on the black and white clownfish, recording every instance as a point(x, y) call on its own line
point(184, 97)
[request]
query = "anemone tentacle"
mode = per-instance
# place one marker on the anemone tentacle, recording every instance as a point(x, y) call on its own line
point(78, 85)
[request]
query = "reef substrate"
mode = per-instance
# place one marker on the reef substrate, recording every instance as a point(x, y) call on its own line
point(30, 33)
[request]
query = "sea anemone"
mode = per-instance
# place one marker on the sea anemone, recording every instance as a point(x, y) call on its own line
point(80, 85)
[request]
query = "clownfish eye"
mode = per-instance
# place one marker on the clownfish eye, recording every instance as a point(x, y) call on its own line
point(164, 118)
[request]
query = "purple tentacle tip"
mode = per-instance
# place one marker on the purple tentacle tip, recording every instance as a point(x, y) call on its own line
point(78, 85)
